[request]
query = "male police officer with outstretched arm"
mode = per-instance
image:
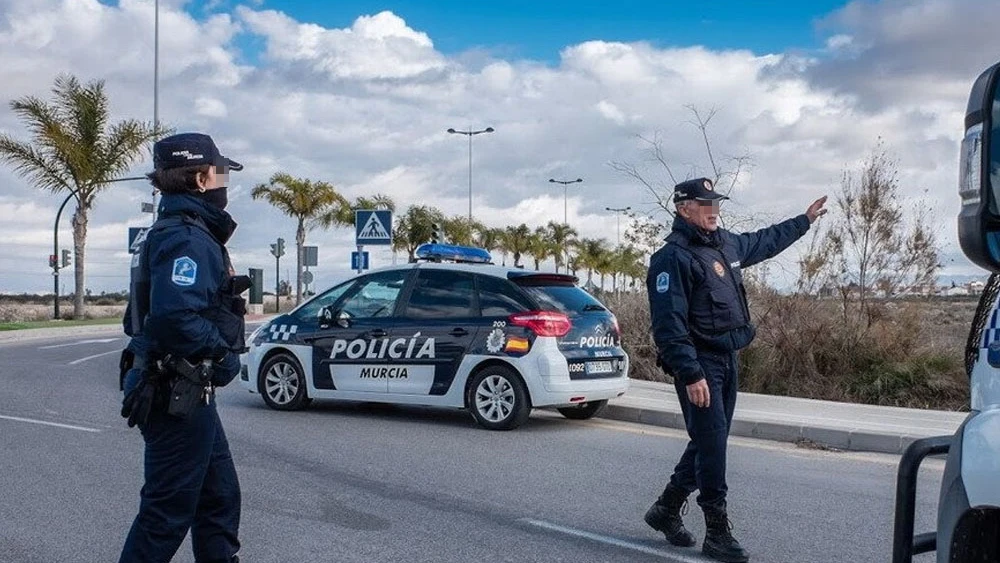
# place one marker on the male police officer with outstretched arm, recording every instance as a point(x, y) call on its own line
point(185, 317)
point(700, 320)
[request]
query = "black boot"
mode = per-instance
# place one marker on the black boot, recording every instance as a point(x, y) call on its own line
point(719, 541)
point(665, 516)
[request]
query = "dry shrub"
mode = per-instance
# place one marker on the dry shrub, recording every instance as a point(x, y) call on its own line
point(894, 352)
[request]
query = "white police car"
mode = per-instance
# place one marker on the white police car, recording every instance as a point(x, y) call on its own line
point(450, 331)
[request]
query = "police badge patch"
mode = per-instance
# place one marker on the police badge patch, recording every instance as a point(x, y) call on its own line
point(720, 270)
point(185, 271)
point(662, 282)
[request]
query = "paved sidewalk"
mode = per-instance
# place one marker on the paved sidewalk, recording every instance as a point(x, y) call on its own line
point(845, 426)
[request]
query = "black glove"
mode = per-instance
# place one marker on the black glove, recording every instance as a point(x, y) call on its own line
point(138, 403)
point(225, 369)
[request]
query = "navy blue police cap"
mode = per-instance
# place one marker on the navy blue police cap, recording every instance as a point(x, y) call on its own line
point(699, 189)
point(189, 149)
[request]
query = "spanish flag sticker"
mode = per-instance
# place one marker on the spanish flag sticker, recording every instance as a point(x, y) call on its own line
point(517, 344)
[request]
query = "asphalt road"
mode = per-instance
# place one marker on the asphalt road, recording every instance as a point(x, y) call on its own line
point(350, 482)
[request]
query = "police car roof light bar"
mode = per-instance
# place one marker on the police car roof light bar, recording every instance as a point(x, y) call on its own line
point(543, 323)
point(435, 252)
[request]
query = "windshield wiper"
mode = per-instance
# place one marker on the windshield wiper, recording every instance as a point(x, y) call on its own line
point(594, 307)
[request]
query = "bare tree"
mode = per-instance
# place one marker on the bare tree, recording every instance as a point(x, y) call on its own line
point(725, 173)
point(873, 246)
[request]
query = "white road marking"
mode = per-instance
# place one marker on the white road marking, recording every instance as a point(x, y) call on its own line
point(610, 541)
point(81, 360)
point(46, 423)
point(79, 342)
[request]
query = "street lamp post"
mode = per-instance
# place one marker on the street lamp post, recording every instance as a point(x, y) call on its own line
point(618, 211)
point(470, 133)
point(55, 244)
point(565, 184)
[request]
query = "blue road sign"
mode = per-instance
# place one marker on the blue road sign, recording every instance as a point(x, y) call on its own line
point(135, 237)
point(359, 260)
point(373, 227)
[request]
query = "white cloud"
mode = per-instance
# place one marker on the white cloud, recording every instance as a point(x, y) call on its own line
point(366, 108)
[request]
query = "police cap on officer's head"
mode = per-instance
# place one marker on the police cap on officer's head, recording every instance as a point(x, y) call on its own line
point(189, 149)
point(699, 189)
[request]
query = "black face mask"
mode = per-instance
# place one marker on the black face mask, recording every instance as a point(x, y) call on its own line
point(216, 198)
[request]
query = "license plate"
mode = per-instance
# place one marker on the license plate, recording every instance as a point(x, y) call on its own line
point(600, 367)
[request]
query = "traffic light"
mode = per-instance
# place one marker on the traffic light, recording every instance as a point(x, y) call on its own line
point(52, 261)
point(436, 233)
point(65, 257)
point(278, 248)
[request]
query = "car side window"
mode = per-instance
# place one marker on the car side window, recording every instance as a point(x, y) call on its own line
point(310, 310)
point(441, 294)
point(374, 296)
point(499, 298)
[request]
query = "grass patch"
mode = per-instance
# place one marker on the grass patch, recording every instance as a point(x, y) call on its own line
point(50, 324)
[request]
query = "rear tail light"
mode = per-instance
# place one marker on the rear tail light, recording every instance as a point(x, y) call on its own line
point(542, 323)
point(614, 325)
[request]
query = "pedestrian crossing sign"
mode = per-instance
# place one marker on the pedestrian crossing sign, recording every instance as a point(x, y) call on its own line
point(373, 226)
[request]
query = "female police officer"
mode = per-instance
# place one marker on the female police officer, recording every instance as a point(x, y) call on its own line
point(185, 318)
point(700, 320)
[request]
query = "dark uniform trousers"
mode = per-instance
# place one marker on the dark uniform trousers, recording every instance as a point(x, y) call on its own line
point(703, 464)
point(191, 484)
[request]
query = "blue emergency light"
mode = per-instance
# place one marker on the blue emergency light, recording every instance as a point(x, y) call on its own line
point(454, 253)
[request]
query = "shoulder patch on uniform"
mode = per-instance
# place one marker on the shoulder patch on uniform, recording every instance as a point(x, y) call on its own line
point(185, 271)
point(662, 282)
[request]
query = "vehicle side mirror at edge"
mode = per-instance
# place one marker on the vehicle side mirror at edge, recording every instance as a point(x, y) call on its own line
point(979, 173)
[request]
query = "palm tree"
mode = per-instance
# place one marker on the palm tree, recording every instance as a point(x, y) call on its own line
point(492, 239)
point(561, 236)
point(590, 255)
point(74, 148)
point(342, 215)
point(540, 246)
point(517, 240)
point(460, 230)
point(414, 228)
point(623, 263)
point(305, 200)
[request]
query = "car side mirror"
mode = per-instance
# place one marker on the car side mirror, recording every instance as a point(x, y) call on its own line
point(328, 316)
point(979, 173)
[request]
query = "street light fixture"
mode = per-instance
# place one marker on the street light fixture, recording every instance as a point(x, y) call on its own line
point(565, 183)
point(619, 211)
point(470, 133)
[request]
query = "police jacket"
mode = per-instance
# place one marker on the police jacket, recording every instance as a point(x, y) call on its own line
point(180, 301)
point(697, 300)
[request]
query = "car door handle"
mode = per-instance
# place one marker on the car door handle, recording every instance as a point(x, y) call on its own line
point(377, 333)
point(458, 332)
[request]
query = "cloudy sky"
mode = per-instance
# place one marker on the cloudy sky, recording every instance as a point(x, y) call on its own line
point(360, 95)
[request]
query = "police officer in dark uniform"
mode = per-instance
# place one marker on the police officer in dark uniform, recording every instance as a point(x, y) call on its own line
point(185, 318)
point(700, 320)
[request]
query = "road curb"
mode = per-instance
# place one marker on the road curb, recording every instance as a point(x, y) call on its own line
point(835, 438)
point(20, 335)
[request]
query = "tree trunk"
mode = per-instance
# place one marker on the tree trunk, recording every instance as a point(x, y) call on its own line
point(300, 242)
point(79, 249)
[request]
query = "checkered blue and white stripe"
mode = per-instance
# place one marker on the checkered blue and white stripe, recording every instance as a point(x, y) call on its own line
point(992, 332)
point(283, 332)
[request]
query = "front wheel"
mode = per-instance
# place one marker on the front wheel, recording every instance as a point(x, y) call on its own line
point(498, 398)
point(282, 383)
point(583, 411)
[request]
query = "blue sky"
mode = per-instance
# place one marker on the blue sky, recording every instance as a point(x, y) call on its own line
point(538, 29)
